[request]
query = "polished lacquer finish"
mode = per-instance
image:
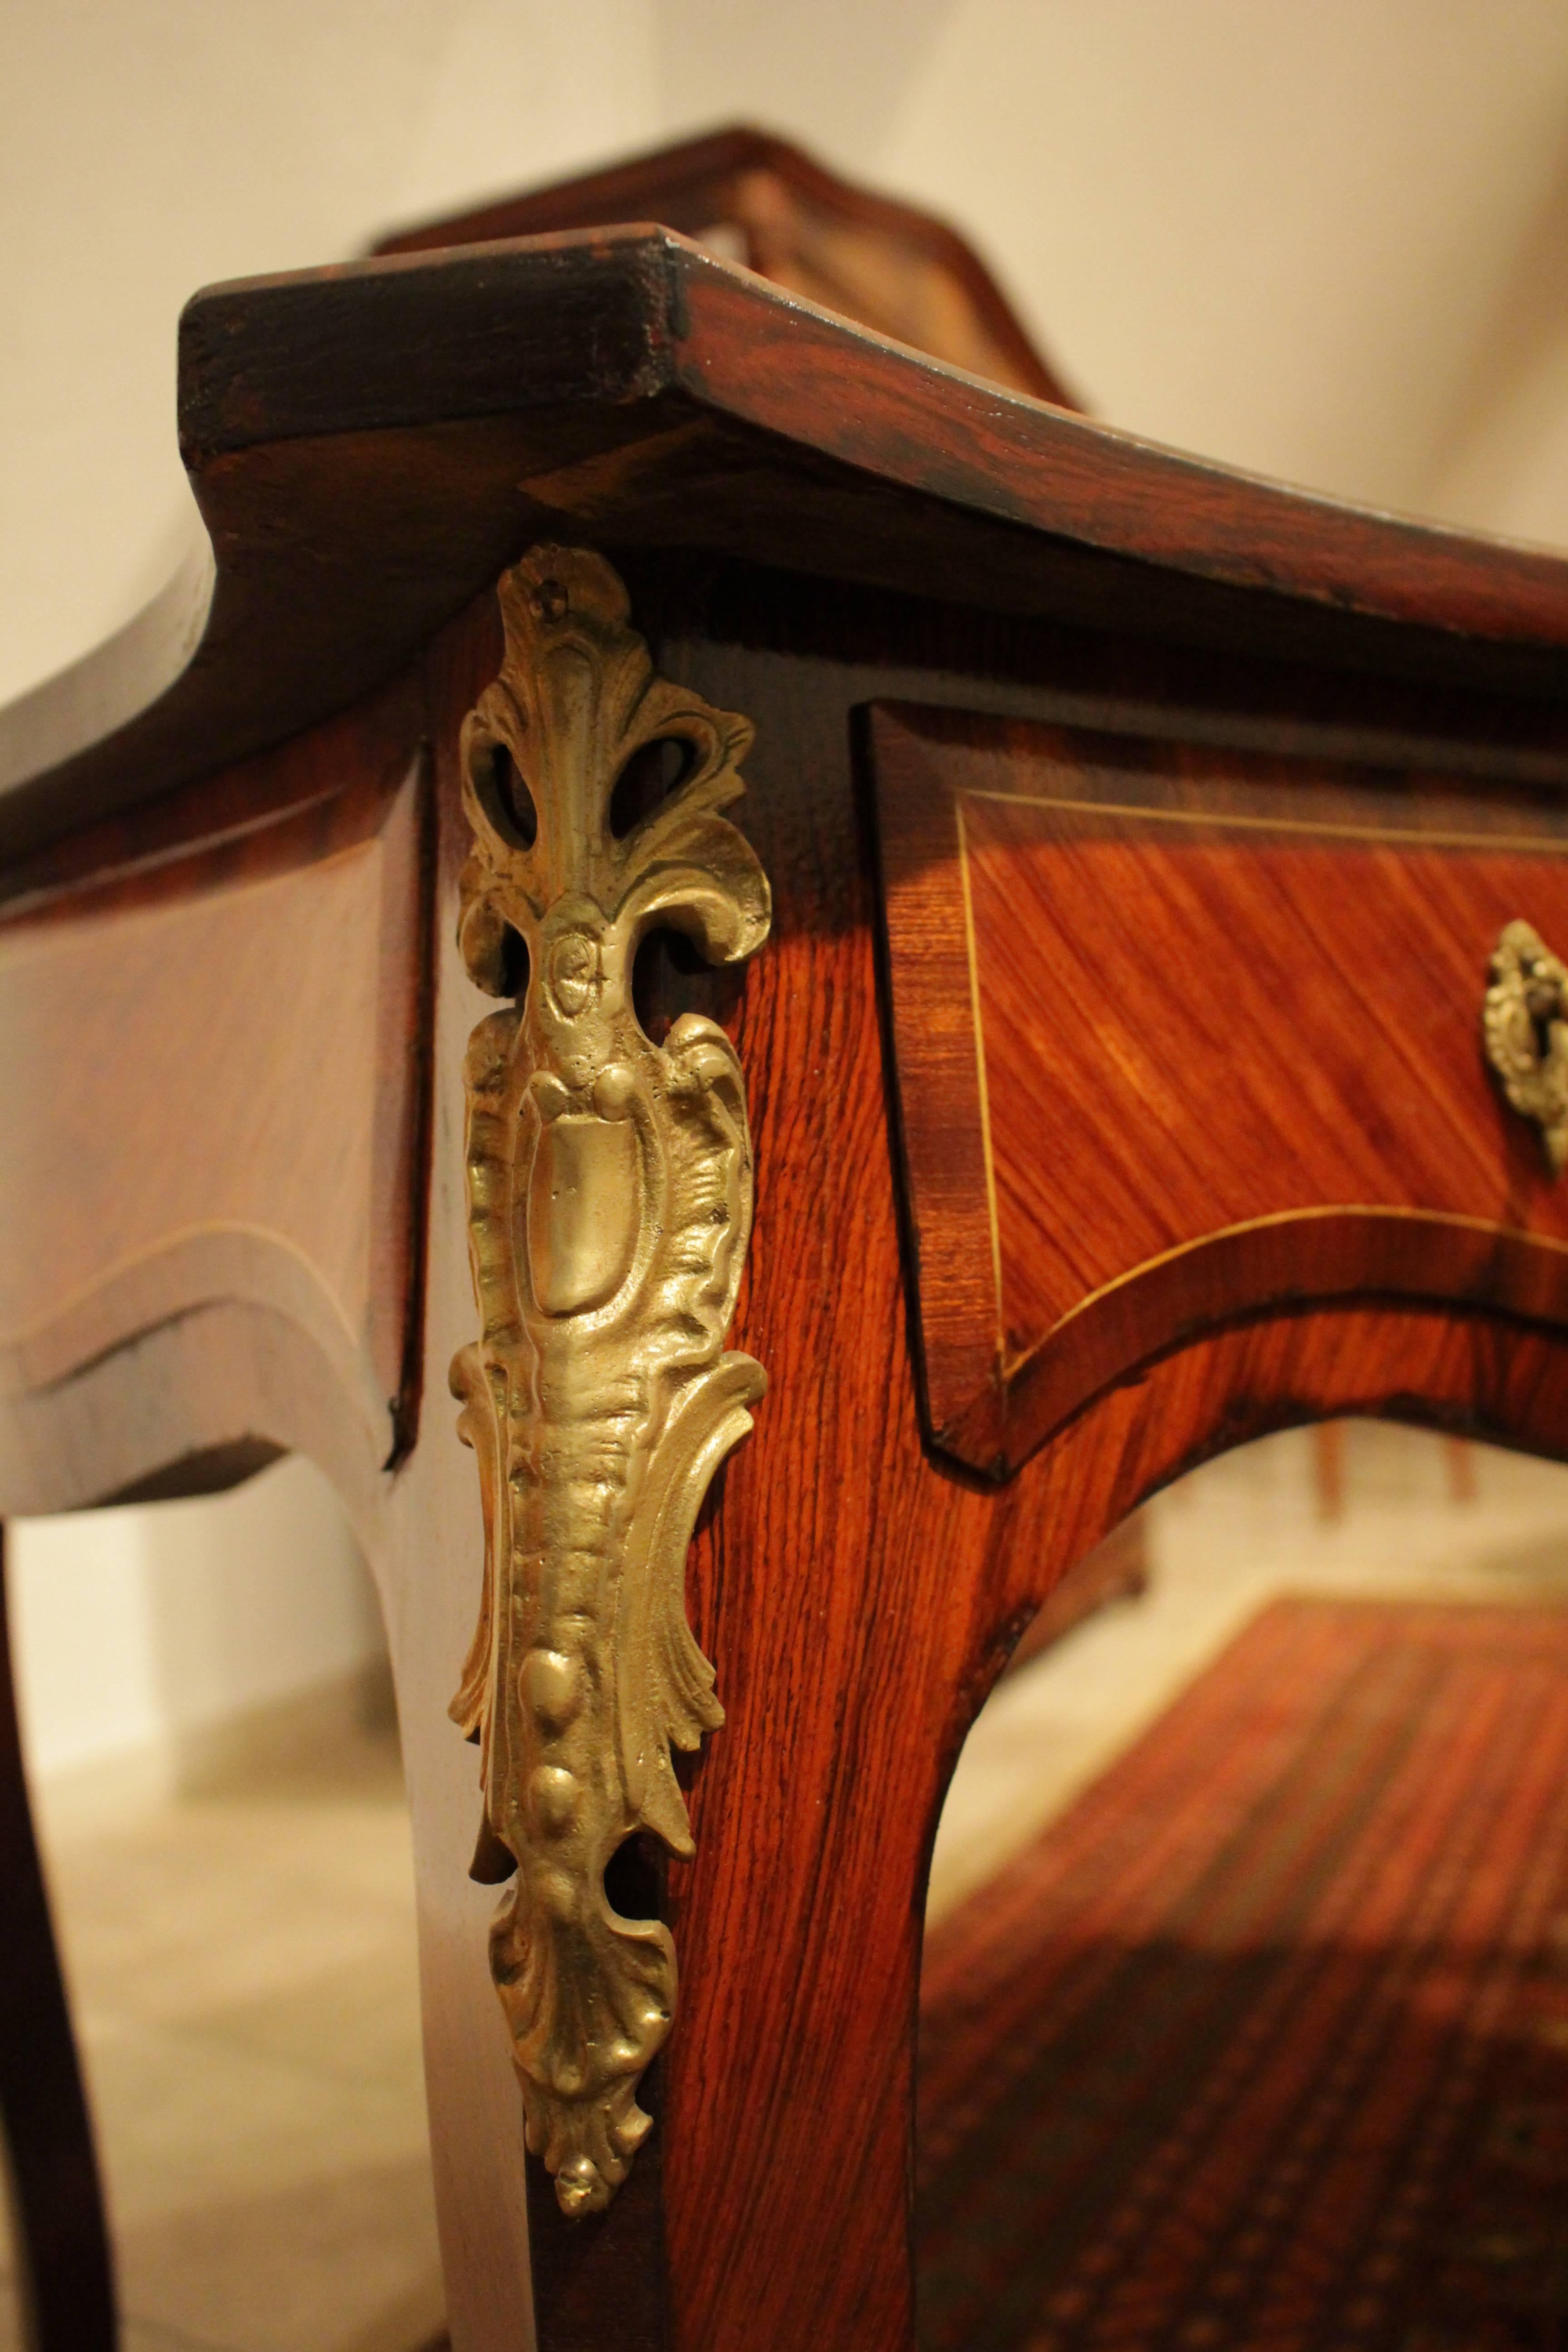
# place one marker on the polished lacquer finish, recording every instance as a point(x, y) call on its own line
point(370, 446)
point(1182, 1031)
point(223, 1028)
point(1251, 788)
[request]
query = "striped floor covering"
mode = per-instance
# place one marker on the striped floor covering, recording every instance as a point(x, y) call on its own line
point(1264, 2044)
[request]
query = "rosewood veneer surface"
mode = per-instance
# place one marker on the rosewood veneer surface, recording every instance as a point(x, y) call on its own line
point(1184, 1030)
point(814, 528)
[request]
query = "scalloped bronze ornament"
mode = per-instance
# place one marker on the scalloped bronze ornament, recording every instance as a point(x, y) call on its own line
point(610, 1204)
point(1524, 1024)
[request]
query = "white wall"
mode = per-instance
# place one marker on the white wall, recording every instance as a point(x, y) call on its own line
point(133, 1629)
point(1327, 238)
point(152, 145)
point(1300, 235)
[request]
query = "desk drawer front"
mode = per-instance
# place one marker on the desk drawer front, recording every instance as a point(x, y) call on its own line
point(1183, 1033)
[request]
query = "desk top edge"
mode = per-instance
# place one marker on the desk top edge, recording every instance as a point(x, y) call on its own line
point(597, 343)
point(262, 362)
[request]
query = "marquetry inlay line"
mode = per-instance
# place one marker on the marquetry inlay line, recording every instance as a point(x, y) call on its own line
point(1450, 1220)
point(30, 932)
point(1010, 1363)
point(1401, 836)
point(169, 1246)
point(979, 1027)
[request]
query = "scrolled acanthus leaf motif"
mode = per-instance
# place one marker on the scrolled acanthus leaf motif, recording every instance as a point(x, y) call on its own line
point(1525, 1027)
point(609, 1205)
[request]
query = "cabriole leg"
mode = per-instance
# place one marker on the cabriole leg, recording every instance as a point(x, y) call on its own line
point(67, 2280)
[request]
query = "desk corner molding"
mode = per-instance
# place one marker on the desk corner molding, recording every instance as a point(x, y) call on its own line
point(609, 1187)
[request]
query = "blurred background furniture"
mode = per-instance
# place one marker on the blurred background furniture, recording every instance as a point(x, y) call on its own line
point(1100, 791)
point(1329, 1453)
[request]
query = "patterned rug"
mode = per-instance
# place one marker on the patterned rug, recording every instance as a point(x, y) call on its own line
point(1264, 2044)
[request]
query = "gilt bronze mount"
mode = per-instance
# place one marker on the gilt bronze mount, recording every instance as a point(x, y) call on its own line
point(1525, 1024)
point(609, 1186)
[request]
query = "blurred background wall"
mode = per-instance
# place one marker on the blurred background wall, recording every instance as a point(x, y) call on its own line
point(1322, 238)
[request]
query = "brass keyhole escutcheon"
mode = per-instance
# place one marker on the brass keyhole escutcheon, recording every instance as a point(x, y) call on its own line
point(1524, 1022)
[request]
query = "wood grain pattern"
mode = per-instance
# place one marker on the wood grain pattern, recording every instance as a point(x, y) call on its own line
point(210, 1052)
point(858, 1598)
point(370, 446)
point(220, 1366)
point(857, 1595)
point(887, 264)
point(504, 331)
point(1181, 1031)
point(1116, 1570)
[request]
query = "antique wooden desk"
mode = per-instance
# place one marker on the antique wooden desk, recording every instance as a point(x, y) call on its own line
point(1100, 945)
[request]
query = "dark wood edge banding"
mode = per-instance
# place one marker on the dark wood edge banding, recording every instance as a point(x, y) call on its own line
point(991, 1412)
point(370, 446)
point(1278, 1264)
point(687, 187)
